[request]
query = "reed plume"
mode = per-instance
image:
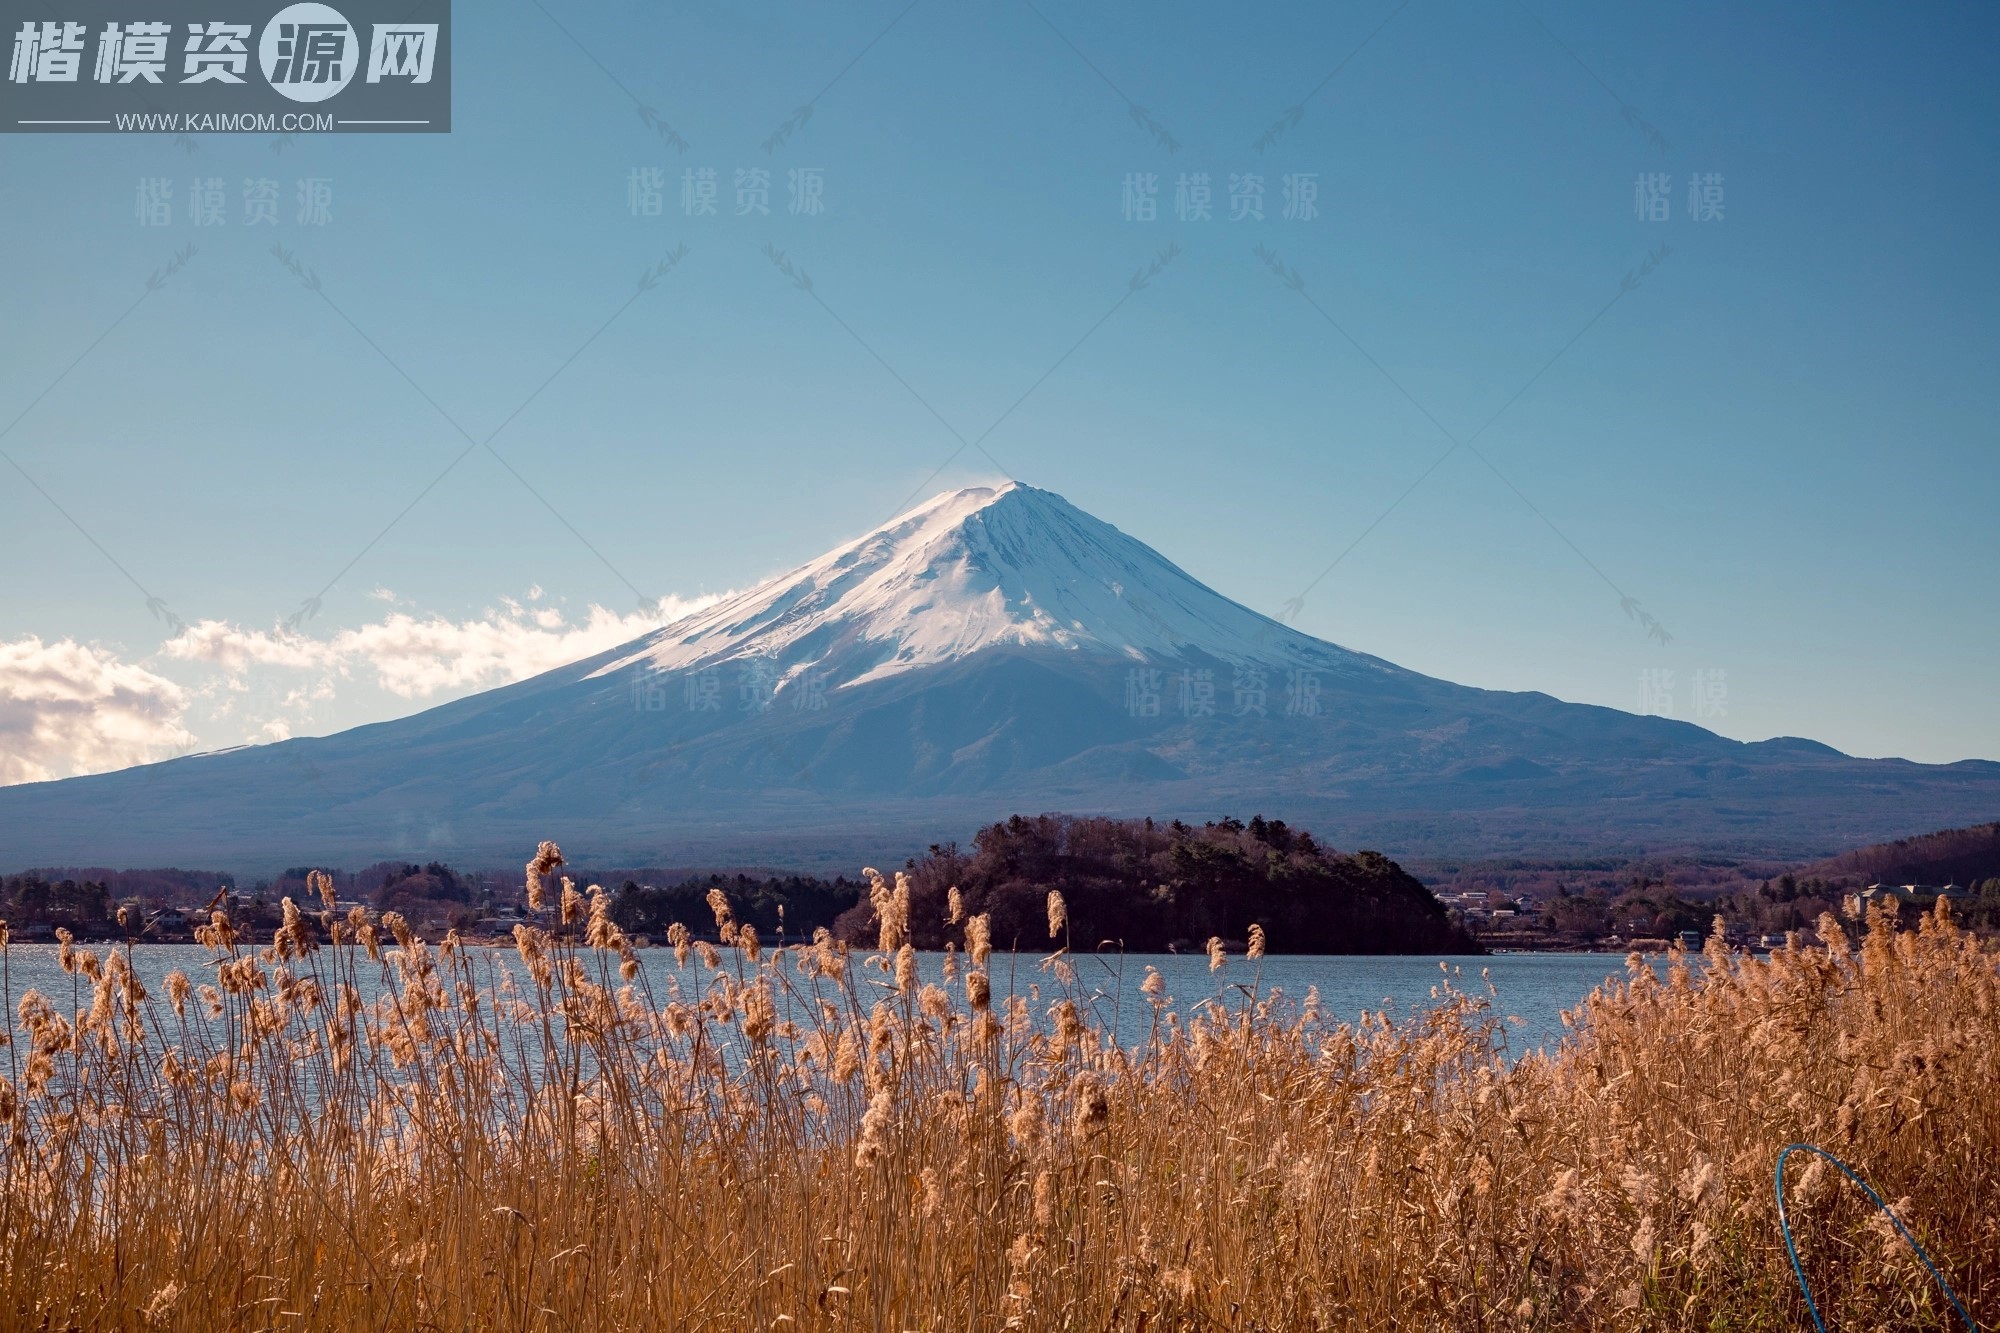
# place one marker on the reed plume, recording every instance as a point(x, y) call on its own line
point(340, 1132)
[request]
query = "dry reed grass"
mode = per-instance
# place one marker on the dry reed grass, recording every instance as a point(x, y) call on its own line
point(814, 1140)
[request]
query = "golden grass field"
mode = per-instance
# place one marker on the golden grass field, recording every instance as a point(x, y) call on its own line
point(818, 1140)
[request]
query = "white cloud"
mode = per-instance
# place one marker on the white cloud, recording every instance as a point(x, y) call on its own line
point(415, 657)
point(68, 708)
point(222, 644)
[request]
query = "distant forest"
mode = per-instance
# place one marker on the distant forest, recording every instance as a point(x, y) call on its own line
point(1580, 903)
point(1141, 883)
point(432, 895)
point(1962, 855)
point(1144, 886)
point(789, 907)
point(1135, 884)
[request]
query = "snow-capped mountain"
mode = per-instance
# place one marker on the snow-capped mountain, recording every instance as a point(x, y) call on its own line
point(986, 567)
point(992, 651)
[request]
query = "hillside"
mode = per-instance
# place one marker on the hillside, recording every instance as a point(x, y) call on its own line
point(992, 650)
point(1960, 855)
point(1138, 885)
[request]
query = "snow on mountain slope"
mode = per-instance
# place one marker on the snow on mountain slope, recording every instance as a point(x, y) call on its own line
point(968, 570)
point(982, 654)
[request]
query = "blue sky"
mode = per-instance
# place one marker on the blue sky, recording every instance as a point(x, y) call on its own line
point(1778, 441)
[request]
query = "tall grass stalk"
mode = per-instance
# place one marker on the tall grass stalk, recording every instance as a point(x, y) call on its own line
point(343, 1131)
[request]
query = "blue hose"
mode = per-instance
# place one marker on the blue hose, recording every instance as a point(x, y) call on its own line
point(1793, 1250)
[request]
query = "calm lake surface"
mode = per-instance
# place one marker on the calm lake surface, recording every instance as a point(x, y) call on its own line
point(1533, 988)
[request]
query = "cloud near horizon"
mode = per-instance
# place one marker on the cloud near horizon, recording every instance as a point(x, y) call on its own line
point(415, 657)
point(68, 708)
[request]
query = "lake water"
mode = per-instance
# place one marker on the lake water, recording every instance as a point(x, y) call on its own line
point(1532, 987)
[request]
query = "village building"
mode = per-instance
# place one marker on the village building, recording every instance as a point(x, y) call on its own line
point(1924, 896)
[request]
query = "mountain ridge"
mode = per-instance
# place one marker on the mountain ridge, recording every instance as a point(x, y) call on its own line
point(990, 651)
point(1022, 568)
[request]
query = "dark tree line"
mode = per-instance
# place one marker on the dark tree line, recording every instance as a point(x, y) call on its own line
point(1138, 884)
point(1771, 907)
point(787, 907)
point(1146, 886)
point(1967, 856)
point(83, 906)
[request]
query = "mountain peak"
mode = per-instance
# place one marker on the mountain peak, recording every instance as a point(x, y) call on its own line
point(965, 571)
point(992, 649)
point(1014, 502)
